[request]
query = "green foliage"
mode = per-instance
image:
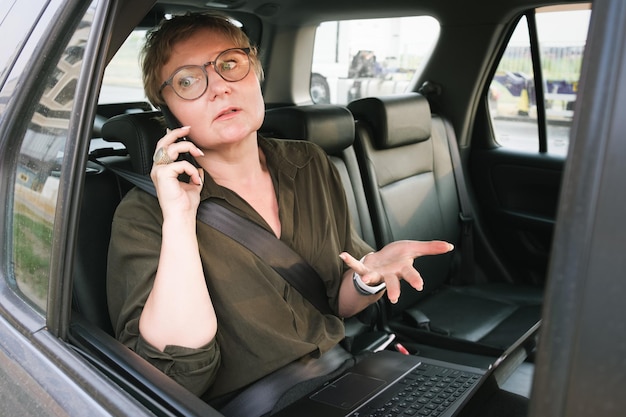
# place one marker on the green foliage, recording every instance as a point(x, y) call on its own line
point(32, 244)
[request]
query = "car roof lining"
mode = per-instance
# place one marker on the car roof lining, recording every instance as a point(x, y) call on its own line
point(146, 13)
point(287, 12)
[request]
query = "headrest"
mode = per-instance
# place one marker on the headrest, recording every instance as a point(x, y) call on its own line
point(139, 132)
point(331, 127)
point(395, 120)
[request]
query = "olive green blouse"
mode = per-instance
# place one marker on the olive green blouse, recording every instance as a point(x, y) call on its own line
point(263, 323)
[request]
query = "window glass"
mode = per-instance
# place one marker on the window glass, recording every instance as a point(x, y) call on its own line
point(360, 58)
point(5, 6)
point(512, 100)
point(40, 167)
point(122, 78)
point(17, 21)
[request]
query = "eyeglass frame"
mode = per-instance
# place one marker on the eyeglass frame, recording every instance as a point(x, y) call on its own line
point(206, 74)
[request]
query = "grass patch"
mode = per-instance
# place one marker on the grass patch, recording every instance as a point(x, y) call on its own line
point(32, 246)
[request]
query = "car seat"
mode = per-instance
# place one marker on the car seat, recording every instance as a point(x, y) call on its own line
point(411, 190)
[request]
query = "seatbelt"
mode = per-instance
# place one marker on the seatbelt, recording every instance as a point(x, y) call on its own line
point(270, 249)
point(465, 272)
point(276, 253)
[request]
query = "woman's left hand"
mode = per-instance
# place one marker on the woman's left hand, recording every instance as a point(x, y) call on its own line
point(394, 262)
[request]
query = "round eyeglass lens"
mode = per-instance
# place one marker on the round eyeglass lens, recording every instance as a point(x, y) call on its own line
point(232, 64)
point(191, 81)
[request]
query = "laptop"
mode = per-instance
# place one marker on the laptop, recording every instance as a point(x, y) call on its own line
point(391, 383)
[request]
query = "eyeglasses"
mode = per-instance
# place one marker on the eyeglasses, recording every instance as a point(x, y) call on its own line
point(191, 81)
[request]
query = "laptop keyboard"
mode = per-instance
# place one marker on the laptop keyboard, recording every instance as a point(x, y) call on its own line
point(428, 390)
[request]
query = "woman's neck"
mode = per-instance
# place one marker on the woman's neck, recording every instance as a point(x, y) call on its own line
point(245, 172)
point(235, 166)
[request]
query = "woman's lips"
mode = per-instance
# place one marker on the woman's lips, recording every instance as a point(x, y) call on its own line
point(226, 113)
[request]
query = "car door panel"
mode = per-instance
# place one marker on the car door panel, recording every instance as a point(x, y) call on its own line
point(517, 202)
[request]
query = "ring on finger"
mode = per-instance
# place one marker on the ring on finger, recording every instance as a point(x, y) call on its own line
point(161, 157)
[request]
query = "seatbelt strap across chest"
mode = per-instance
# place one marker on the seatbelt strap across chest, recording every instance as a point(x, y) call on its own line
point(270, 249)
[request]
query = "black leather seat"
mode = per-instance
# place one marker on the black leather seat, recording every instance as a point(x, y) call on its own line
point(411, 192)
point(103, 190)
point(332, 128)
point(102, 193)
point(139, 132)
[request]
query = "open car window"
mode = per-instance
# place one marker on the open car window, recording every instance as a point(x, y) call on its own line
point(561, 37)
point(122, 78)
point(43, 167)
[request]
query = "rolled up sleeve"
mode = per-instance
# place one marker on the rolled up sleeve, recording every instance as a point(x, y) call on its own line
point(195, 369)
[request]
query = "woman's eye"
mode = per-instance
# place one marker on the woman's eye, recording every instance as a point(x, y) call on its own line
point(186, 82)
point(228, 65)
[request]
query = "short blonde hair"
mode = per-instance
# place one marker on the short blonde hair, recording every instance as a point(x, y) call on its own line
point(159, 42)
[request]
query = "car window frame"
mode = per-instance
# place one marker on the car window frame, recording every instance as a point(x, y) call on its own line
point(48, 35)
point(77, 154)
point(14, 126)
point(542, 123)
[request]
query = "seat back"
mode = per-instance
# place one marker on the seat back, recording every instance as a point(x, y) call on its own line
point(102, 192)
point(409, 182)
point(332, 128)
point(139, 132)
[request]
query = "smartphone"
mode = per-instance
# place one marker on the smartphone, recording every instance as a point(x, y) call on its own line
point(172, 123)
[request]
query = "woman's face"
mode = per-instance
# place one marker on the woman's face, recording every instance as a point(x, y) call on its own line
point(227, 112)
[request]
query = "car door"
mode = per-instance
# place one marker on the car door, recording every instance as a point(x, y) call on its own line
point(580, 368)
point(521, 136)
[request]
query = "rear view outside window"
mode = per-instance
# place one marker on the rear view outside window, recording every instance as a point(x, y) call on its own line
point(122, 78)
point(361, 58)
point(40, 168)
point(512, 101)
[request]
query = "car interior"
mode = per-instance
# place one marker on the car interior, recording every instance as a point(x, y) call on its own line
point(422, 164)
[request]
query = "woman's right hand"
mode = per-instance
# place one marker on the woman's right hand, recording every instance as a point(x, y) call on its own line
point(176, 197)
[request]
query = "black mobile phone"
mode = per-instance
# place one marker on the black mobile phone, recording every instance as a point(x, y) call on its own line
point(172, 123)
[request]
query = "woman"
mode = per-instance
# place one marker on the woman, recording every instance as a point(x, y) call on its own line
point(196, 304)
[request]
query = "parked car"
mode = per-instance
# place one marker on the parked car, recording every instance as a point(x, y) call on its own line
point(546, 198)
